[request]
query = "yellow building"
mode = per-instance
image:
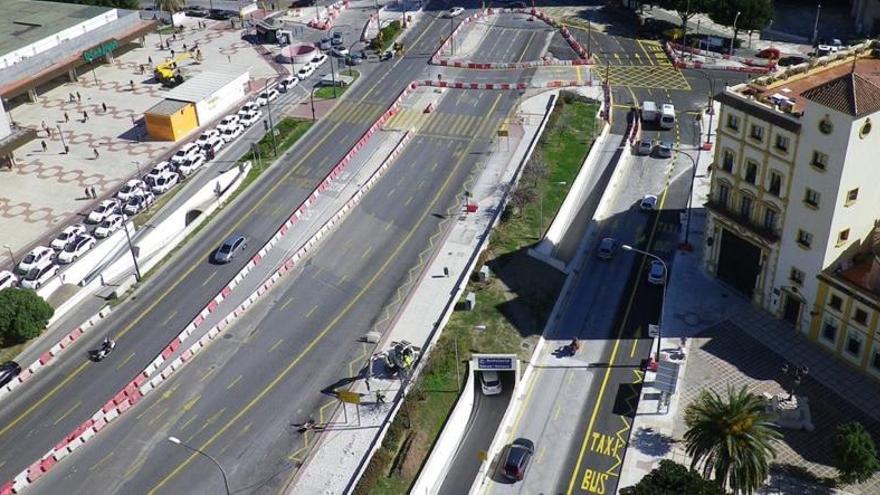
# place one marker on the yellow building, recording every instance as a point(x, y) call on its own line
point(170, 120)
point(847, 309)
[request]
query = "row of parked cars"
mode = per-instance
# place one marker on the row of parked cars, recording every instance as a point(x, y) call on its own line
point(43, 262)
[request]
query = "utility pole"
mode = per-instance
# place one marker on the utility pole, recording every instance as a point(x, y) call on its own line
point(137, 269)
point(733, 39)
point(451, 38)
point(271, 123)
point(816, 23)
point(333, 75)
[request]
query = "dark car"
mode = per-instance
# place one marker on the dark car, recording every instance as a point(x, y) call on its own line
point(298, 4)
point(230, 248)
point(220, 15)
point(517, 459)
point(8, 371)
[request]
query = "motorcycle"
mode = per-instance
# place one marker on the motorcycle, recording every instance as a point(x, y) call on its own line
point(106, 348)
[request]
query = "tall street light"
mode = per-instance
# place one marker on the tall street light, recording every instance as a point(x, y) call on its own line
point(733, 40)
point(11, 254)
point(685, 246)
point(627, 247)
point(177, 441)
point(711, 108)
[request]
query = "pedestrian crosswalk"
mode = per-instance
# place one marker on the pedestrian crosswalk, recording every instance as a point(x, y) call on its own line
point(354, 112)
point(443, 124)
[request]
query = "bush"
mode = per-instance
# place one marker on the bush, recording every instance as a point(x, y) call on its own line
point(23, 315)
point(855, 456)
point(671, 478)
point(385, 36)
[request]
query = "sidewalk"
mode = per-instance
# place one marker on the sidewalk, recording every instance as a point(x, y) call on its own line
point(341, 452)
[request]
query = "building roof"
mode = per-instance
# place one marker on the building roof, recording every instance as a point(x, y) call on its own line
point(851, 93)
point(167, 107)
point(202, 85)
point(23, 22)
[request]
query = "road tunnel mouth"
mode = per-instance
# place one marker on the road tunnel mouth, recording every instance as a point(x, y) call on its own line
point(192, 215)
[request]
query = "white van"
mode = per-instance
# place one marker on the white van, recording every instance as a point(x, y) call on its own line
point(667, 116)
point(649, 112)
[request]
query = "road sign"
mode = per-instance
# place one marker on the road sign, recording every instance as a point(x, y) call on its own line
point(495, 363)
point(653, 331)
point(349, 396)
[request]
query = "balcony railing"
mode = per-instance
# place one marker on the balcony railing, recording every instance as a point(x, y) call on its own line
point(769, 235)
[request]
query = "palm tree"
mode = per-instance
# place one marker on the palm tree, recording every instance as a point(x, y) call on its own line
point(731, 439)
point(170, 6)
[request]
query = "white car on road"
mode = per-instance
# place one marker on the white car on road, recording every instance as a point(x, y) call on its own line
point(37, 277)
point(138, 204)
point(67, 236)
point(37, 257)
point(267, 96)
point(7, 279)
point(454, 12)
point(648, 202)
point(287, 83)
point(305, 71)
point(110, 225)
point(165, 182)
point(250, 119)
point(657, 273)
point(103, 210)
point(131, 188)
point(192, 166)
point(207, 137)
point(318, 60)
point(183, 154)
point(231, 133)
point(76, 249)
point(227, 122)
point(159, 169)
point(339, 51)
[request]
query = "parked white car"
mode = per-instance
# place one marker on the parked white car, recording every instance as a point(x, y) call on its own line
point(67, 236)
point(267, 96)
point(110, 225)
point(231, 133)
point(76, 249)
point(206, 137)
point(165, 182)
point(7, 279)
point(37, 277)
point(318, 60)
point(287, 83)
point(138, 204)
point(131, 188)
point(305, 71)
point(103, 210)
point(160, 168)
point(250, 119)
point(192, 166)
point(453, 12)
point(339, 51)
point(227, 122)
point(185, 153)
point(37, 257)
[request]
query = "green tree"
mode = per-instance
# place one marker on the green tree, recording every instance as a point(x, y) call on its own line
point(23, 315)
point(684, 8)
point(171, 6)
point(855, 456)
point(742, 15)
point(671, 478)
point(731, 438)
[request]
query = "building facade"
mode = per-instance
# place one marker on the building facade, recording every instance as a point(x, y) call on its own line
point(795, 194)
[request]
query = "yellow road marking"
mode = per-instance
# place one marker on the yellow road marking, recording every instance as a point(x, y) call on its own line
point(526, 49)
point(156, 417)
point(636, 334)
point(209, 373)
point(367, 252)
point(286, 303)
point(234, 382)
point(44, 398)
point(99, 463)
point(309, 314)
point(213, 274)
point(191, 403)
point(275, 345)
point(392, 257)
point(172, 315)
point(127, 359)
point(66, 414)
point(613, 357)
point(190, 420)
point(650, 59)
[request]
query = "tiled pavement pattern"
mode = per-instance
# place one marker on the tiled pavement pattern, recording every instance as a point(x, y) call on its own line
point(728, 353)
point(46, 189)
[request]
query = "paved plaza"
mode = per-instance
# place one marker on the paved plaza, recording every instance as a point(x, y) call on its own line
point(46, 188)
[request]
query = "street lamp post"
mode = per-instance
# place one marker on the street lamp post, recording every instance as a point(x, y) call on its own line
point(733, 40)
point(627, 247)
point(312, 101)
point(137, 268)
point(271, 123)
point(711, 108)
point(177, 441)
point(685, 246)
point(11, 254)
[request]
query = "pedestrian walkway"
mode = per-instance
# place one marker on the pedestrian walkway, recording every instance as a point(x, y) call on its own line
point(100, 121)
point(340, 451)
point(730, 341)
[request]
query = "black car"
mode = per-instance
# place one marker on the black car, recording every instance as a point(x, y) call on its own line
point(517, 459)
point(298, 4)
point(8, 371)
point(220, 15)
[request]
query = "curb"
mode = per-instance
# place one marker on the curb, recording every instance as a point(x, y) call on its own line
point(585, 57)
point(47, 357)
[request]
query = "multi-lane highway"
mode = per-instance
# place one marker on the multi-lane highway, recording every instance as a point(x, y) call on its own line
point(63, 396)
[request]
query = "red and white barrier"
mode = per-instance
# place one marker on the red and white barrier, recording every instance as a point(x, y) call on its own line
point(681, 63)
point(49, 356)
point(331, 12)
point(585, 57)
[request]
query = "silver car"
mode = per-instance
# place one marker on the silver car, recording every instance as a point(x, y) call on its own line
point(232, 246)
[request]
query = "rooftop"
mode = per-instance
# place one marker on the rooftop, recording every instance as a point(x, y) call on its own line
point(849, 88)
point(23, 22)
point(201, 85)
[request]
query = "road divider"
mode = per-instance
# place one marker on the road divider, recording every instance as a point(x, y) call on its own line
point(331, 12)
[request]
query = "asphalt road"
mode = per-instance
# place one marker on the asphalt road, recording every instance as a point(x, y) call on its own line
point(63, 396)
point(510, 38)
point(238, 399)
point(484, 420)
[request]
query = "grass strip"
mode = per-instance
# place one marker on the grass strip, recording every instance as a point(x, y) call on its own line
point(326, 92)
point(512, 306)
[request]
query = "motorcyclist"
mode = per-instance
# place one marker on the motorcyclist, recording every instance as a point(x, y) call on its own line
point(107, 346)
point(575, 345)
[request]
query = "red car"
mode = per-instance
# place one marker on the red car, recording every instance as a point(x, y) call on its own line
point(771, 53)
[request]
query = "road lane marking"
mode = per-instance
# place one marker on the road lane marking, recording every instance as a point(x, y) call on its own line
point(275, 345)
point(392, 257)
point(309, 314)
point(650, 59)
point(172, 315)
point(369, 249)
point(99, 463)
point(526, 49)
point(213, 274)
point(635, 344)
point(408, 201)
point(44, 398)
point(127, 359)
point(190, 420)
point(66, 414)
point(191, 403)
point(589, 479)
point(209, 373)
point(234, 382)
point(286, 304)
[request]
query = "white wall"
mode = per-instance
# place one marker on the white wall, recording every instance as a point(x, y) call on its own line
point(58, 38)
point(218, 103)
